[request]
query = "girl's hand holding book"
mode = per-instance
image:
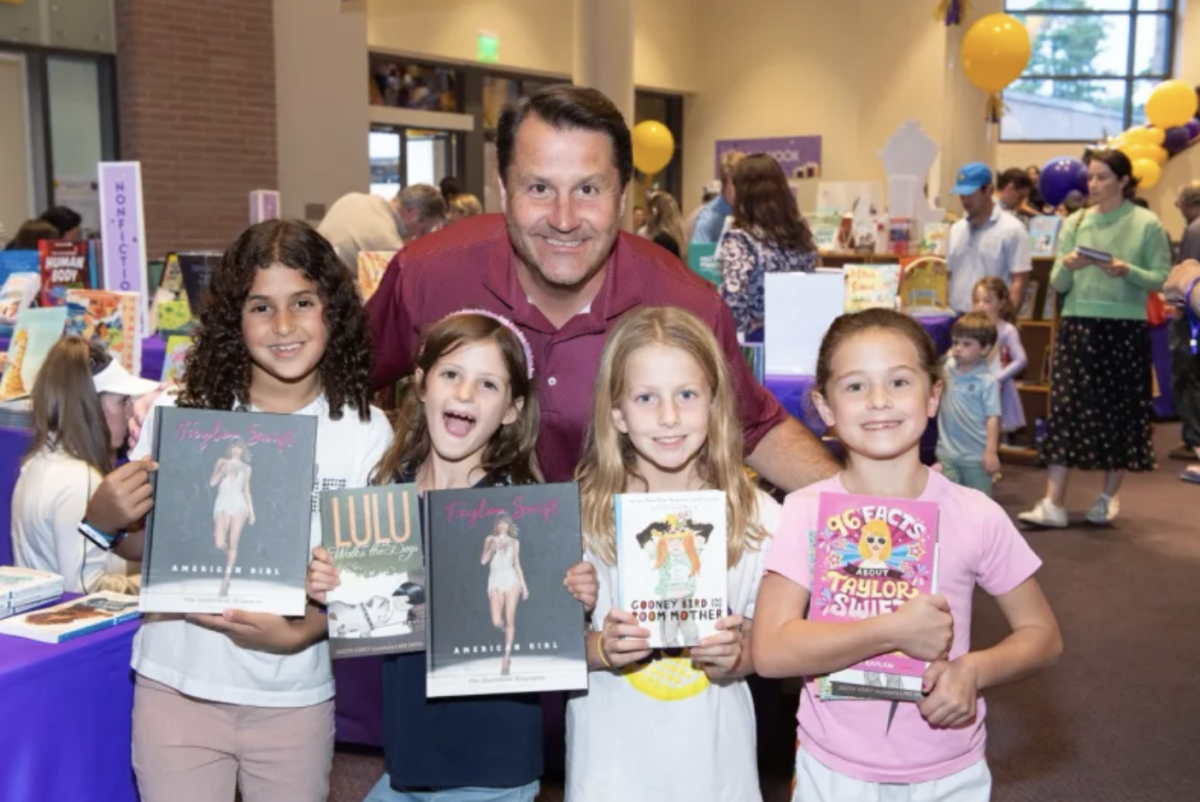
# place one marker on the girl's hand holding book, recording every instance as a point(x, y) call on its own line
point(322, 575)
point(924, 628)
point(123, 498)
point(263, 632)
point(1076, 261)
point(622, 641)
point(952, 689)
point(581, 581)
point(719, 654)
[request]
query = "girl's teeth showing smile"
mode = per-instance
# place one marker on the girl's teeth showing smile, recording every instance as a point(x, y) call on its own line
point(291, 349)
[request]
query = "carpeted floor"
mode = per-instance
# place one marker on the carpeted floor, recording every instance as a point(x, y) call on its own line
point(1118, 719)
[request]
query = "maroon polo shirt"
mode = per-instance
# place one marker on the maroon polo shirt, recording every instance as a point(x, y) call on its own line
point(471, 264)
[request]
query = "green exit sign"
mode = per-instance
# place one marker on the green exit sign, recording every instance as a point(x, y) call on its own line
point(487, 48)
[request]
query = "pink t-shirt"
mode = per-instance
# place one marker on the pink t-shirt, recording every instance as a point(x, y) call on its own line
point(978, 546)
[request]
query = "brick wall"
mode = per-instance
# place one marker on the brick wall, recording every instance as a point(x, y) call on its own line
point(196, 87)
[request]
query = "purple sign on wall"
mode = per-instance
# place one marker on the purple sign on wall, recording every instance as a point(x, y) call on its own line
point(123, 231)
point(799, 156)
point(264, 205)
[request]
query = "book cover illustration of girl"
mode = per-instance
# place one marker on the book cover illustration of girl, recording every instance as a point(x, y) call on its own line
point(234, 507)
point(506, 582)
point(675, 544)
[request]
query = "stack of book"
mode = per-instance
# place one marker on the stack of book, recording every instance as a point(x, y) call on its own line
point(73, 618)
point(23, 589)
point(17, 414)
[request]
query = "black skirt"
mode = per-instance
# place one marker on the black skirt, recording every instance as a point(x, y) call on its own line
point(1100, 395)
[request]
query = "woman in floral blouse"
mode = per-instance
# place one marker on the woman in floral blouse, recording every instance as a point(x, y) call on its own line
point(767, 235)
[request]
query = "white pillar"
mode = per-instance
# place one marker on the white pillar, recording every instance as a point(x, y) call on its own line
point(604, 50)
point(966, 134)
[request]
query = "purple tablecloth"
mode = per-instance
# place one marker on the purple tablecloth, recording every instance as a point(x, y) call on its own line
point(66, 720)
point(13, 443)
point(154, 350)
point(1160, 351)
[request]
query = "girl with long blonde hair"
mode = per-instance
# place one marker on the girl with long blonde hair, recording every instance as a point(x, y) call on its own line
point(664, 419)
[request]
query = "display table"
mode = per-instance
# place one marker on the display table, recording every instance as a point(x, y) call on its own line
point(67, 715)
point(154, 351)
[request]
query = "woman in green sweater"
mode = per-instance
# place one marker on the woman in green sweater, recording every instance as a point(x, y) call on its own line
point(1100, 388)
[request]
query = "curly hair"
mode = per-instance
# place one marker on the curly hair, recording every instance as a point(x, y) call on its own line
point(218, 366)
point(510, 452)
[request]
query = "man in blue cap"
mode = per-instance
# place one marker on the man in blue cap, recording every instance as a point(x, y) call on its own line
point(988, 241)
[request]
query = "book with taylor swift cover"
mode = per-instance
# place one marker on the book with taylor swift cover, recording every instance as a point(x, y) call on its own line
point(499, 618)
point(232, 516)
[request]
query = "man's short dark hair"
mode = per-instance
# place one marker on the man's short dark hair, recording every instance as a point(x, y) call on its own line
point(62, 218)
point(564, 107)
point(449, 187)
point(1016, 177)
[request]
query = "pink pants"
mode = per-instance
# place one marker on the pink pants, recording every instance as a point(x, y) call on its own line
point(191, 750)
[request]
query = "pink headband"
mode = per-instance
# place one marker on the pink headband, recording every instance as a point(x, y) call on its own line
point(508, 324)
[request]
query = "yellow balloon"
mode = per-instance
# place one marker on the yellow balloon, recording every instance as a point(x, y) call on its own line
point(1146, 136)
point(995, 51)
point(1138, 150)
point(1171, 103)
point(1147, 173)
point(653, 146)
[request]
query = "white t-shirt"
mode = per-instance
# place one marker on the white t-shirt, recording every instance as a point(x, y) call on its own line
point(665, 732)
point(208, 665)
point(361, 222)
point(48, 502)
point(999, 247)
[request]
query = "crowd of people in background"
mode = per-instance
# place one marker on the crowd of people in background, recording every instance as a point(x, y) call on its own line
point(620, 327)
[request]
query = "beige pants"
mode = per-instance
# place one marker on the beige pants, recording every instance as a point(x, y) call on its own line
point(191, 750)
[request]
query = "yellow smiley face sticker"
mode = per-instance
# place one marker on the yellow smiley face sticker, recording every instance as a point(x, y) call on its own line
point(667, 679)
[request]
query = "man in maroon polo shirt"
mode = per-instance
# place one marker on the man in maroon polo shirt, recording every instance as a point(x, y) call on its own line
point(558, 266)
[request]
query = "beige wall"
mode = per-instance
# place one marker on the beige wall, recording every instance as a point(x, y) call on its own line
point(321, 100)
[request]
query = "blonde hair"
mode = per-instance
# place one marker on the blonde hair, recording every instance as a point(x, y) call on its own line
point(466, 205)
point(662, 216)
point(729, 163)
point(878, 528)
point(609, 459)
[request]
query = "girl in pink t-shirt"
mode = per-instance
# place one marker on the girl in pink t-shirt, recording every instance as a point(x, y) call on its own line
point(877, 383)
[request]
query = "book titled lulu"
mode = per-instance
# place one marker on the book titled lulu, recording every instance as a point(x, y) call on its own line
point(499, 618)
point(671, 563)
point(374, 537)
point(73, 619)
point(870, 556)
point(232, 517)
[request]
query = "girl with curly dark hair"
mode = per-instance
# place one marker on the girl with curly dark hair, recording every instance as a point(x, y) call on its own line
point(281, 330)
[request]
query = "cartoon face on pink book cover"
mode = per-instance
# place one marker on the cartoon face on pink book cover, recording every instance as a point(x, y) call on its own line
point(871, 555)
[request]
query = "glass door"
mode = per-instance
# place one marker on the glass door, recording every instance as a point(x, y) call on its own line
point(401, 157)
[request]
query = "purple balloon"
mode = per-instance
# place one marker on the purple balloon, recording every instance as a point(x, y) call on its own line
point(1062, 175)
point(1176, 140)
point(1193, 128)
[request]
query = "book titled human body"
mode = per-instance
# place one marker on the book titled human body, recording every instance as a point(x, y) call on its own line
point(870, 556)
point(671, 563)
point(232, 512)
point(64, 266)
point(374, 537)
point(499, 619)
point(73, 619)
point(109, 318)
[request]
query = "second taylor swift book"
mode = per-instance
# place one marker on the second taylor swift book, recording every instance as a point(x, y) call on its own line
point(232, 513)
point(500, 619)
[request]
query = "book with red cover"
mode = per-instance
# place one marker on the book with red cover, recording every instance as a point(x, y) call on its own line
point(64, 266)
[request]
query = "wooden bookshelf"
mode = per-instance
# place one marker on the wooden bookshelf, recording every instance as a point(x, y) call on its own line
point(1038, 334)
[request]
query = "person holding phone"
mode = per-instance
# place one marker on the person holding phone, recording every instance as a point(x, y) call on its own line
point(1111, 256)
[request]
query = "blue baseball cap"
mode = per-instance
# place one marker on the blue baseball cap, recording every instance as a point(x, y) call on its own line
point(972, 178)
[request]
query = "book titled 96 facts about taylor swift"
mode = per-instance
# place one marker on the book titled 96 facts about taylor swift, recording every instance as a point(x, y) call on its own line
point(232, 513)
point(374, 537)
point(500, 619)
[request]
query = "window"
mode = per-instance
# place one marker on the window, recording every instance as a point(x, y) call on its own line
point(1094, 64)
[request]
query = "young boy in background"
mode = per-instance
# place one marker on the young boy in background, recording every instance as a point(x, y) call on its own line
point(969, 417)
